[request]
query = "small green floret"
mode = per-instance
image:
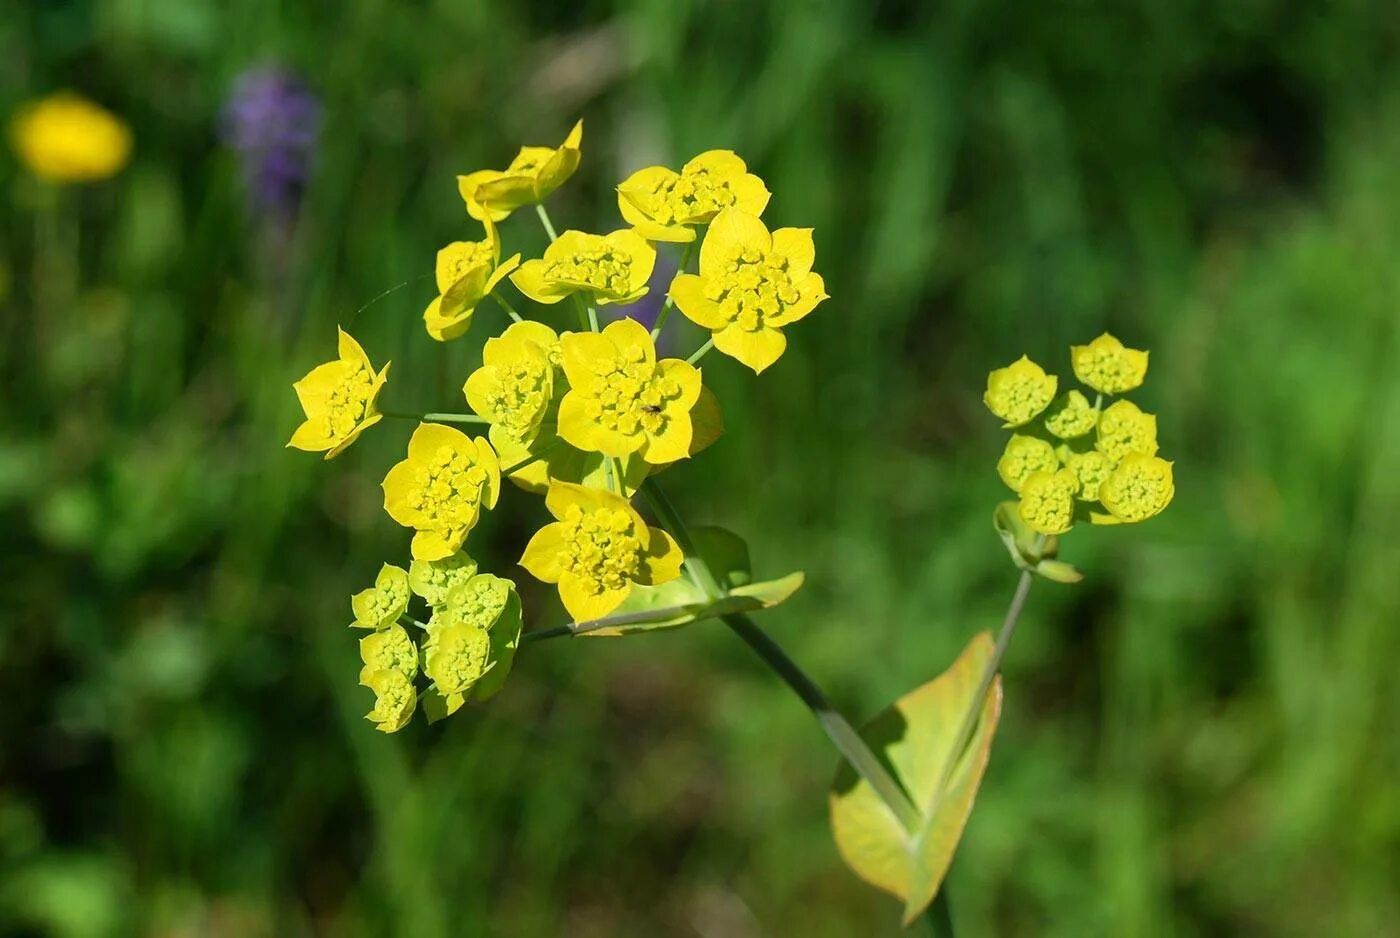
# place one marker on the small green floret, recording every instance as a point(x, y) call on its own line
point(1071, 415)
point(389, 649)
point(381, 605)
point(433, 579)
point(1023, 456)
point(394, 699)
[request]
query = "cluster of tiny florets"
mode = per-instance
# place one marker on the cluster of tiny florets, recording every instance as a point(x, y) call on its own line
point(600, 547)
point(754, 289)
point(1082, 460)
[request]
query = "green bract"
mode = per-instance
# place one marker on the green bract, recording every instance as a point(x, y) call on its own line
point(432, 579)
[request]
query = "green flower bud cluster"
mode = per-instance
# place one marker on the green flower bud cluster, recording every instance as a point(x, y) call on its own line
point(1072, 460)
point(465, 649)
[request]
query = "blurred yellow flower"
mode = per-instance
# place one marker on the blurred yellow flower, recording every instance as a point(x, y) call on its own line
point(612, 268)
point(1107, 366)
point(530, 178)
point(338, 399)
point(664, 205)
point(751, 284)
point(66, 138)
point(467, 272)
point(597, 549)
point(440, 489)
point(622, 400)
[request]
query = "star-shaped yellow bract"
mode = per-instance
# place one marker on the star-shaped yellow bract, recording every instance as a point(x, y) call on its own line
point(65, 138)
point(338, 398)
point(621, 400)
point(531, 176)
point(440, 489)
point(1107, 366)
point(467, 272)
point(665, 205)
point(514, 386)
point(611, 268)
point(751, 284)
point(597, 549)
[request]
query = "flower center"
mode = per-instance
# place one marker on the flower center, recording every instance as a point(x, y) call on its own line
point(629, 395)
point(447, 488)
point(519, 394)
point(601, 269)
point(346, 405)
point(601, 547)
point(473, 255)
point(754, 289)
point(691, 197)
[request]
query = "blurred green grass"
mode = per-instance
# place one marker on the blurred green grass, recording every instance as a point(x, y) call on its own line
point(1200, 740)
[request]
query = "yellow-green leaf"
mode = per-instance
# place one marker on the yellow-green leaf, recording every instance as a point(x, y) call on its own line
point(914, 737)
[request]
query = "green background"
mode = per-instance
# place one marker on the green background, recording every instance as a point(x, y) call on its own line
point(1200, 739)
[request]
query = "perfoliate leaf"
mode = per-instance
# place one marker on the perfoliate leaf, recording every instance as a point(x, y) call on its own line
point(914, 737)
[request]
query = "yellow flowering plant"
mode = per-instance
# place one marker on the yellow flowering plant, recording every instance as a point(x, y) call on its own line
point(587, 414)
point(65, 138)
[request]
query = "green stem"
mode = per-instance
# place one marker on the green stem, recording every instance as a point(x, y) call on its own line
point(435, 418)
point(701, 351)
point(541, 211)
point(845, 737)
point(407, 619)
point(591, 625)
point(505, 305)
point(847, 740)
point(969, 723)
point(670, 300)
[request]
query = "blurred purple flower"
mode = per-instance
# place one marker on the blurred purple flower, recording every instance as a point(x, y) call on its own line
point(272, 120)
point(648, 307)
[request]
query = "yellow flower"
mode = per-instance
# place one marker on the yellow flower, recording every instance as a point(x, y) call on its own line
point(1023, 456)
point(381, 605)
point(1090, 468)
point(612, 268)
point(1124, 429)
point(66, 138)
point(1047, 501)
point(467, 272)
point(1019, 392)
point(1071, 415)
point(388, 649)
point(1139, 488)
point(338, 399)
point(514, 386)
point(1106, 366)
point(435, 579)
point(531, 176)
point(439, 490)
point(455, 657)
point(664, 205)
point(597, 549)
point(622, 400)
point(394, 699)
point(751, 284)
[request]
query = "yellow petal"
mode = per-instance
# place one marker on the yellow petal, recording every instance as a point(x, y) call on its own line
point(562, 495)
point(544, 554)
point(688, 290)
point(352, 436)
point(350, 350)
point(583, 604)
point(628, 335)
point(309, 438)
point(397, 484)
point(662, 562)
point(436, 545)
point(731, 233)
point(639, 251)
point(529, 279)
point(797, 246)
point(579, 429)
point(673, 443)
point(579, 350)
point(687, 376)
point(468, 186)
point(811, 291)
point(501, 272)
point(314, 390)
point(750, 194)
point(428, 438)
point(718, 162)
point(757, 349)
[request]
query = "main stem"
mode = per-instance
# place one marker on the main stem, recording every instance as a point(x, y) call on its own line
point(841, 733)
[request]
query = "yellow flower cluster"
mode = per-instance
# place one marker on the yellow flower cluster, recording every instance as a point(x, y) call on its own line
point(1082, 461)
point(580, 413)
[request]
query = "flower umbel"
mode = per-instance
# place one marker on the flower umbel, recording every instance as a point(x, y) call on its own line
point(1107, 366)
point(338, 398)
point(467, 272)
point(611, 268)
point(381, 605)
point(665, 205)
point(597, 549)
point(440, 489)
point(751, 284)
point(1139, 488)
point(530, 178)
point(65, 138)
point(514, 386)
point(1019, 392)
point(622, 400)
